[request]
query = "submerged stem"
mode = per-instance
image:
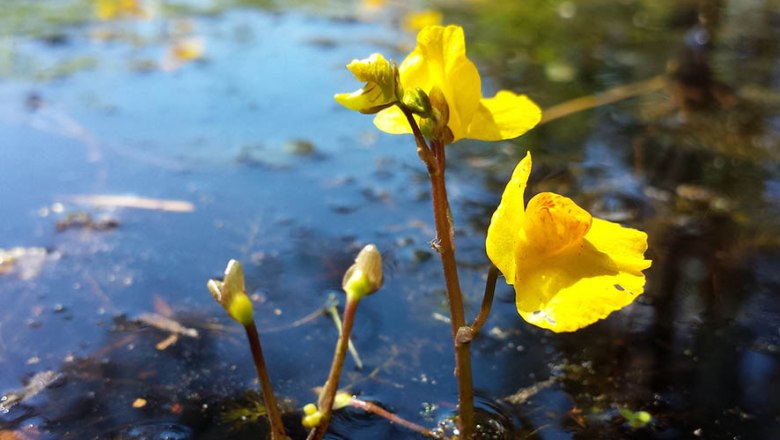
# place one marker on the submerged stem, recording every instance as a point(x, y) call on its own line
point(328, 394)
point(274, 415)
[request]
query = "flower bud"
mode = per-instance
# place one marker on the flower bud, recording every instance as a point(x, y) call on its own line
point(417, 101)
point(311, 416)
point(230, 293)
point(435, 126)
point(341, 400)
point(382, 89)
point(311, 420)
point(365, 276)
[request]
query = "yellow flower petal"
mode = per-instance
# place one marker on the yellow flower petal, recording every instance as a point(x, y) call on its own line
point(626, 246)
point(392, 120)
point(504, 116)
point(439, 60)
point(381, 89)
point(575, 288)
point(569, 269)
point(505, 228)
point(553, 223)
point(438, 64)
point(417, 21)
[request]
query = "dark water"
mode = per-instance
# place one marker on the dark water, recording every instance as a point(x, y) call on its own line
point(283, 179)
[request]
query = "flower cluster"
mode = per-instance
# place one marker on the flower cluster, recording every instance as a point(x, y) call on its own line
point(569, 269)
point(439, 66)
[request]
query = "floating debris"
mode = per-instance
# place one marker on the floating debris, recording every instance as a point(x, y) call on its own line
point(300, 147)
point(167, 342)
point(26, 262)
point(39, 382)
point(139, 403)
point(166, 324)
point(114, 201)
point(522, 395)
point(83, 220)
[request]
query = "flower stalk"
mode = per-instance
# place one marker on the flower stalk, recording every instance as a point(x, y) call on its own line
point(435, 160)
point(363, 278)
point(439, 86)
point(274, 415)
point(328, 394)
point(230, 293)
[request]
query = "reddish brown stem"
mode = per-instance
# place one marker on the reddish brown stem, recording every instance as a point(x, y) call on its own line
point(435, 161)
point(274, 415)
point(328, 394)
point(445, 236)
point(487, 301)
point(378, 410)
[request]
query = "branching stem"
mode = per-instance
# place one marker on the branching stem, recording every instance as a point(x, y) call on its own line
point(487, 301)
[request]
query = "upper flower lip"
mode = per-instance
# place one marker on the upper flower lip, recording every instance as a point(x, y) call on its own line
point(440, 60)
point(568, 268)
point(382, 87)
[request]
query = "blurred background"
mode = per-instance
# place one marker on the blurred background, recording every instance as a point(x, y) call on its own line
point(145, 143)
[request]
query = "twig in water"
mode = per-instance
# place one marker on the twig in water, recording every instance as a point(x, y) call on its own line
point(597, 100)
point(522, 395)
point(378, 410)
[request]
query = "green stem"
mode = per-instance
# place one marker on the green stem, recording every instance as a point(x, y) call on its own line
point(274, 415)
point(328, 394)
point(435, 161)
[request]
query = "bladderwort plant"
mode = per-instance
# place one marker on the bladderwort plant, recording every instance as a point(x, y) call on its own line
point(568, 268)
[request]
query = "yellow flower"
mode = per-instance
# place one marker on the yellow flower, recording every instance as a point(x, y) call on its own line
point(569, 269)
point(381, 90)
point(415, 21)
point(114, 9)
point(439, 61)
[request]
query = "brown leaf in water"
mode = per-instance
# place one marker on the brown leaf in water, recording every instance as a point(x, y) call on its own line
point(162, 306)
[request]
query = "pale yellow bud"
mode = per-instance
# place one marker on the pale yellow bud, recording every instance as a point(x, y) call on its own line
point(365, 276)
point(230, 293)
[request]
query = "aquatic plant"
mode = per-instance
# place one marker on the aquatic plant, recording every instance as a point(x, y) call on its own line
point(230, 293)
point(363, 278)
point(569, 269)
